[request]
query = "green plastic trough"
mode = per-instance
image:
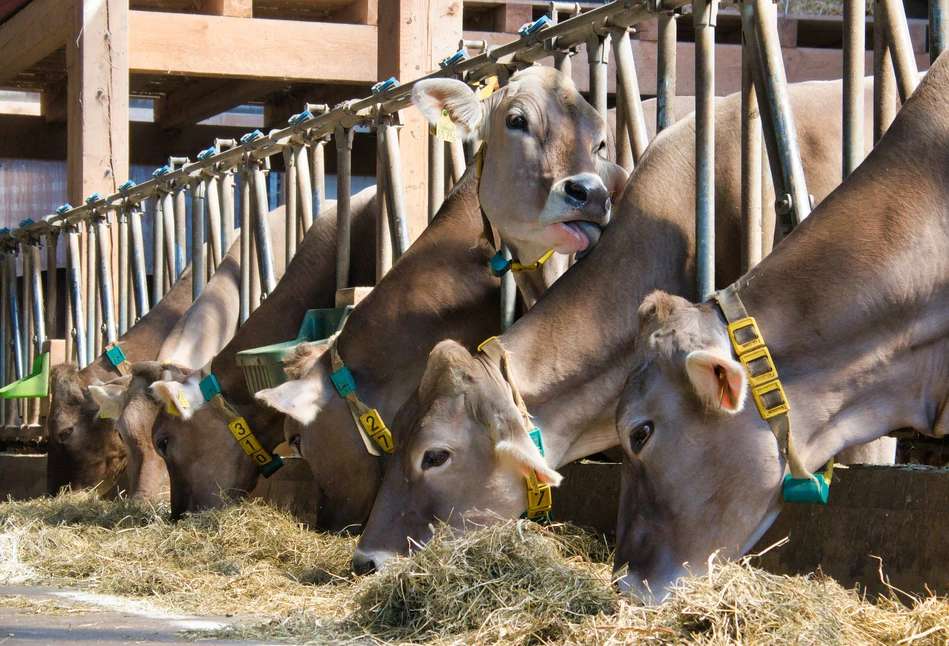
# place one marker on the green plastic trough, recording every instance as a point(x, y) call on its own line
point(35, 384)
point(263, 367)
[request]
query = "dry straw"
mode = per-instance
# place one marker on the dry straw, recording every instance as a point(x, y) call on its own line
point(513, 583)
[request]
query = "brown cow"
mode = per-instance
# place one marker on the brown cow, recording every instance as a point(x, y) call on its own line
point(202, 457)
point(853, 310)
point(571, 353)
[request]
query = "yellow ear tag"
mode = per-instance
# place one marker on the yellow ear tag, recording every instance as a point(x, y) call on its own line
point(171, 409)
point(103, 415)
point(445, 129)
point(183, 401)
point(376, 429)
point(490, 85)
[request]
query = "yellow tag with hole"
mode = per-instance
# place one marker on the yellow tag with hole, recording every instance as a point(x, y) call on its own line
point(490, 85)
point(376, 429)
point(539, 500)
point(445, 129)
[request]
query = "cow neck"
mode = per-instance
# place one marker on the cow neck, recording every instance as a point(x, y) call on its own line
point(311, 284)
point(414, 305)
point(143, 340)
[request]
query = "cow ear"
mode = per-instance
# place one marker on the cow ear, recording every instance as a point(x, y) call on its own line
point(655, 308)
point(614, 177)
point(517, 447)
point(448, 370)
point(303, 398)
point(111, 396)
point(718, 380)
point(180, 398)
point(435, 97)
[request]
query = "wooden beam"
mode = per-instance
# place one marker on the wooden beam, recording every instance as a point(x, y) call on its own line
point(38, 30)
point(98, 103)
point(53, 102)
point(511, 17)
point(287, 50)
point(360, 12)
point(286, 104)
point(414, 35)
point(206, 98)
point(234, 8)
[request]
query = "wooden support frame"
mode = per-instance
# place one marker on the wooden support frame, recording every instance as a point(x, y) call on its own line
point(35, 32)
point(234, 8)
point(206, 98)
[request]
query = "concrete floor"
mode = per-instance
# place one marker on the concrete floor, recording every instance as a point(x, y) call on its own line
point(99, 620)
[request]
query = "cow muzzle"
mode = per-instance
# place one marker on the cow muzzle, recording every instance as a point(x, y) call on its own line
point(367, 562)
point(577, 209)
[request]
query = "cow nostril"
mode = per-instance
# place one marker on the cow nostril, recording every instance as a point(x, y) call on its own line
point(363, 566)
point(576, 191)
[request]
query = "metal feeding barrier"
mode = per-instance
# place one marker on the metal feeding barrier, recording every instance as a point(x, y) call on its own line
point(98, 311)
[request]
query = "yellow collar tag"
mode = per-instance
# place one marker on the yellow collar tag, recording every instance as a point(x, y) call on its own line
point(518, 267)
point(445, 129)
point(490, 86)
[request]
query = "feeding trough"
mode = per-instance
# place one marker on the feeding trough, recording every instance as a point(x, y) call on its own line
point(263, 367)
point(35, 384)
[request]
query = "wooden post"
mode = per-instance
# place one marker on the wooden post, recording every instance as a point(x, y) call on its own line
point(414, 36)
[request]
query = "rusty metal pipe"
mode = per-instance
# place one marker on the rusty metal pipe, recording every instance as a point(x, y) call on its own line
point(666, 72)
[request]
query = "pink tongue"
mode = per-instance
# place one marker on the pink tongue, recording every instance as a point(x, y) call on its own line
point(581, 236)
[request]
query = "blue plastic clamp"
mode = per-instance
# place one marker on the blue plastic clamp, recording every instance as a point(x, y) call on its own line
point(297, 118)
point(210, 387)
point(500, 265)
point(92, 198)
point(204, 154)
point(161, 171)
point(382, 86)
point(115, 355)
point(4, 231)
point(537, 25)
point(275, 464)
point(812, 490)
point(63, 209)
point(538, 440)
point(343, 380)
point(250, 136)
point(460, 55)
point(25, 223)
point(127, 185)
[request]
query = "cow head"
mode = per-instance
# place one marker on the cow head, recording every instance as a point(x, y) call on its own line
point(463, 459)
point(130, 404)
point(702, 471)
point(320, 428)
point(205, 463)
point(84, 449)
point(545, 183)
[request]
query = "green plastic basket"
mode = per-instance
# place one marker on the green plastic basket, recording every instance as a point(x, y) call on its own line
point(35, 384)
point(263, 367)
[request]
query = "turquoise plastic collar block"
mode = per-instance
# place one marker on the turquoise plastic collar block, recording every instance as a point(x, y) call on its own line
point(500, 265)
point(210, 387)
point(343, 380)
point(813, 490)
point(115, 355)
point(538, 440)
point(272, 467)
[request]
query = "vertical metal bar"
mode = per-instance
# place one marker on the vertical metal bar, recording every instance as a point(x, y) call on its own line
point(39, 303)
point(705, 19)
point(319, 180)
point(436, 175)
point(105, 280)
point(458, 163)
point(884, 81)
point(383, 232)
point(227, 210)
point(92, 330)
point(181, 233)
point(5, 341)
point(855, 26)
point(666, 72)
point(598, 48)
point(74, 285)
point(158, 250)
point(26, 316)
point(563, 62)
point(52, 288)
point(627, 85)
point(776, 97)
point(290, 202)
point(508, 294)
point(395, 196)
point(139, 286)
point(938, 28)
point(169, 212)
point(624, 151)
point(124, 317)
point(199, 258)
point(15, 332)
point(246, 238)
point(213, 205)
point(344, 153)
point(302, 164)
point(901, 48)
point(265, 260)
point(751, 248)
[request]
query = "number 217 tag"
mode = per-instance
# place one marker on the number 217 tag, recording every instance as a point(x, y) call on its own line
point(376, 429)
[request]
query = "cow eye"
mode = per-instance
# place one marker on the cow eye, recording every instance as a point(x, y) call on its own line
point(162, 446)
point(295, 443)
point(639, 436)
point(600, 148)
point(516, 122)
point(64, 434)
point(435, 458)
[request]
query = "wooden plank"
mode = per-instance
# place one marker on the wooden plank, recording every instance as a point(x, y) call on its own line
point(359, 12)
point(38, 30)
point(234, 8)
point(511, 17)
point(98, 91)
point(192, 45)
point(53, 102)
point(414, 35)
point(206, 98)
